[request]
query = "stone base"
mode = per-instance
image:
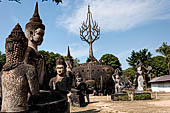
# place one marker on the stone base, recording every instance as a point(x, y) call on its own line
point(119, 97)
point(76, 98)
point(50, 102)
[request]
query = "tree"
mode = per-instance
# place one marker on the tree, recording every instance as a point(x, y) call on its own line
point(142, 55)
point(130, 74)
point(76, 62)
point(165, 50)
point(50, 59)
point(2, 60)
point(159, 66)
point(111, 60)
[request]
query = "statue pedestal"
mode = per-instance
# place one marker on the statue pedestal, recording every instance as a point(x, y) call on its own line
point(50, 102)
point(77, 99)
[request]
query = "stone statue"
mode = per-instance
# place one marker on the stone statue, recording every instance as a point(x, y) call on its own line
point(62, 82)
point(140, 79)
point(78, 79)
point(34, 33)
point(17, 79)
point(140, 83)
point(116, 79)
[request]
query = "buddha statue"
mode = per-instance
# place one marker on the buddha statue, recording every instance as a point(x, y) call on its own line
point(17, 79)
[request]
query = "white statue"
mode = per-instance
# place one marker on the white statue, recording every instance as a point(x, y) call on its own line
point(140, 83)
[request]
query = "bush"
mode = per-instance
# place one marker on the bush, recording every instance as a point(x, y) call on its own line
point(142, 96)
point(123, 98)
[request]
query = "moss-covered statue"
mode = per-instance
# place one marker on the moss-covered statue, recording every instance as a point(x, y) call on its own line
point(34, 31)
point(17, 79)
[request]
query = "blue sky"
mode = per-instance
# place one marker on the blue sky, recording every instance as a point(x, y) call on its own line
point(125, 25)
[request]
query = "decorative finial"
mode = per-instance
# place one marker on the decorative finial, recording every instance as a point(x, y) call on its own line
point(68, 53)
point(36, 14)
point(88, 8)
point(35, 22)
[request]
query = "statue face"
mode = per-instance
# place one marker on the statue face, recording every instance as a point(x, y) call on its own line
point(37, 37)
point(60, 69)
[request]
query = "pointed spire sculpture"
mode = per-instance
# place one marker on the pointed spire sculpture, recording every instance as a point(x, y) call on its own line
point(68, 52)
point(90, 32)
point(69, 59)
point(35, 21)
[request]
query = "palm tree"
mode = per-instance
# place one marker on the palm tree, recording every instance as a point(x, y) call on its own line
point(165, 50)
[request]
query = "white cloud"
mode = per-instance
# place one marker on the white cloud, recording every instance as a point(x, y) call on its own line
point(116, 15)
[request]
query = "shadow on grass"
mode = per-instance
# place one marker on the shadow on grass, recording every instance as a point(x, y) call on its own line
point(88, 111)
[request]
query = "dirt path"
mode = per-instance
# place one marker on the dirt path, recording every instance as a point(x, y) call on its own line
point(103, 104)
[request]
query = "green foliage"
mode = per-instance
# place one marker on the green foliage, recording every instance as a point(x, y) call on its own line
point(50, 59)
point(76, 62)
point(144, 96)
point(142, 55)
point(111, 60)
point(2, 60)
point(123, 98)
point(130, 74)
point(165, 50)
point(159, 66)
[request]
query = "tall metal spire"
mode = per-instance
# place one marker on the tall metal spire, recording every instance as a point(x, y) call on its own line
point(89, 32)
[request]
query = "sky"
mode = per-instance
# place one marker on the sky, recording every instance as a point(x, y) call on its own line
point(125, 25)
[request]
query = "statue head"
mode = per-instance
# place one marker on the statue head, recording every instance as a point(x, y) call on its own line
point(16, 44)
point(61, 66)
point(34, 28)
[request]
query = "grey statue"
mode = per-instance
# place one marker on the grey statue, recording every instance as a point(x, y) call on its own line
point(34, 33)
point(17, 79)
point(116, 80)
point(62, 82)
point(139, 76)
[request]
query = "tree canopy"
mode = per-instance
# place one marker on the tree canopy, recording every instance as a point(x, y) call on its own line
point(143, 55)
point(165, 50)
point(159, 66)
point(111, 60)
point(2, 60)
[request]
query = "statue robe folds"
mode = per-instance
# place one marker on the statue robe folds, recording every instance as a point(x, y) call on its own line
point(37, 60)
point(140, 83)
point(16, 83)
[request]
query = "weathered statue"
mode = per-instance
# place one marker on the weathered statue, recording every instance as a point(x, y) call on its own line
point(17, 79)
point(34, 33)
point(140, 79)
point(78, 79)
point(116, 79)
point(62, 82)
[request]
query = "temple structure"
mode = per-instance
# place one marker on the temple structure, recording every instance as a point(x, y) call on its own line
point(93, 70)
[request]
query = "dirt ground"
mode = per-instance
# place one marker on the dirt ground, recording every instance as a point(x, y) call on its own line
point(103, 104)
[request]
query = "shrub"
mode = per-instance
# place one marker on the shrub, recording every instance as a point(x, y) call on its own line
point(144, 96)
